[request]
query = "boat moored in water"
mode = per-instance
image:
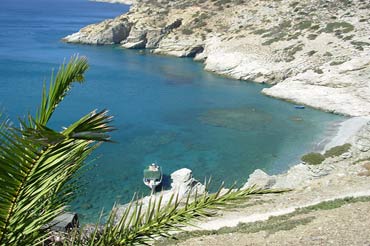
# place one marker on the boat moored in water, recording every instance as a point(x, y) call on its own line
point(152, 176)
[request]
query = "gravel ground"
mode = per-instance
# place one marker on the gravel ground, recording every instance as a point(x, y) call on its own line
point(346, 225)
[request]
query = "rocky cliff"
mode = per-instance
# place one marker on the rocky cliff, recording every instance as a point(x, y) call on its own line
point(314, 52)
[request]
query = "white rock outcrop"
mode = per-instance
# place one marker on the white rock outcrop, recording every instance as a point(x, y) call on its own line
point(183, 183)
point(260, 179)
point(107, 32)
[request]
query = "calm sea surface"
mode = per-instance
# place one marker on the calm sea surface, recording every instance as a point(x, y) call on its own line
point(167, 110)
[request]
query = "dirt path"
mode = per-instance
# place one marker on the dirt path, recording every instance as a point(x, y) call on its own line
point(348, 224)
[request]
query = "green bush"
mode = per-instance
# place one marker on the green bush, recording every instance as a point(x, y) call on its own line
point(337, 150)
point(343, 27)
point(335, 63)
point(318, 70)
point(312, 36)
point(187, 31)
point(311, 53)
point(313, 158)
point(303, 25)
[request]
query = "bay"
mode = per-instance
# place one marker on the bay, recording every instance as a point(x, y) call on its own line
point(167, 110)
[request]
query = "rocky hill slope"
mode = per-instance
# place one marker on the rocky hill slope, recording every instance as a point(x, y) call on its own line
point(314, 52)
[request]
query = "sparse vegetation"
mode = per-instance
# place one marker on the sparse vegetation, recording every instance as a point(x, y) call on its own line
point(303, 25)
point(187, 31)
point(313, 158)
point(312, 36)
point(343, 27)
point(315, 27)
point(366, 173)
point(274, 224)
point(335, 63)
point(349, 37)
point(337, 150)
point(318, 70)
point(291, 51)
point(311, 52)
point(359, 44)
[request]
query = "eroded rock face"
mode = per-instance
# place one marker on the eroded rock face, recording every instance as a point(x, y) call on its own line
point(136, 40)
point(106, 32)
point(316, 52)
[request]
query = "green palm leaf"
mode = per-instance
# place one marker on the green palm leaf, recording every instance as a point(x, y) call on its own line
point(37, 163)
point(139, 226)
point(72, 71)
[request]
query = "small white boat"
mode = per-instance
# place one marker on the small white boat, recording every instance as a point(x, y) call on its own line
point(152, 176)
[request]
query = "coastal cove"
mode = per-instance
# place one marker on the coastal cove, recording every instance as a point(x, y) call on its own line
point(166, 109)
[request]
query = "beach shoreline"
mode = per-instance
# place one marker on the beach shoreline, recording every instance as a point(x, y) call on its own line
point(347, 129)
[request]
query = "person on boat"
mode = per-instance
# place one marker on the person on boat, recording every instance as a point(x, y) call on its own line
point(153, 167)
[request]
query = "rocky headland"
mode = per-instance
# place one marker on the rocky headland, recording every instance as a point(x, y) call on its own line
point(315, 52)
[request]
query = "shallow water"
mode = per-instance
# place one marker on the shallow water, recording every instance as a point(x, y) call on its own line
point(166, 110)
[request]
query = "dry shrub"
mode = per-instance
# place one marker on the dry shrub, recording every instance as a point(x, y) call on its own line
point(367, 172)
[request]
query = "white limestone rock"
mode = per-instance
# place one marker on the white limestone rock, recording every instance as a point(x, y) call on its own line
point(343, 89)
point(183, 183)
point(296, 176)
point(260, 179)
point(106, 32)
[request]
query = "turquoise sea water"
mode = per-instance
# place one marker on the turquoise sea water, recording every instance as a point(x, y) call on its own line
point(166, 109)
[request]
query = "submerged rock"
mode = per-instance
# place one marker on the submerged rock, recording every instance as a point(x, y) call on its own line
point(236, 118)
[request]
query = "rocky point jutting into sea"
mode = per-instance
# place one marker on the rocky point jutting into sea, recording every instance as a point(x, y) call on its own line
point(315, 53)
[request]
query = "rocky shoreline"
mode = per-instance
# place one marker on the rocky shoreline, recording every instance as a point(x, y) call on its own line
point(315, 53)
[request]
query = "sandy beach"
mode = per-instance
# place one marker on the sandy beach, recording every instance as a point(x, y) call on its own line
point(346, 130)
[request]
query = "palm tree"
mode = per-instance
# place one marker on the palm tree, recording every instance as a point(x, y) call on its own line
point(37, 164)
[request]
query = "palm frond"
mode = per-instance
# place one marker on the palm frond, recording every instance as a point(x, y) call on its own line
point(37, 162)
point(139, 226)
point(59, 86)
